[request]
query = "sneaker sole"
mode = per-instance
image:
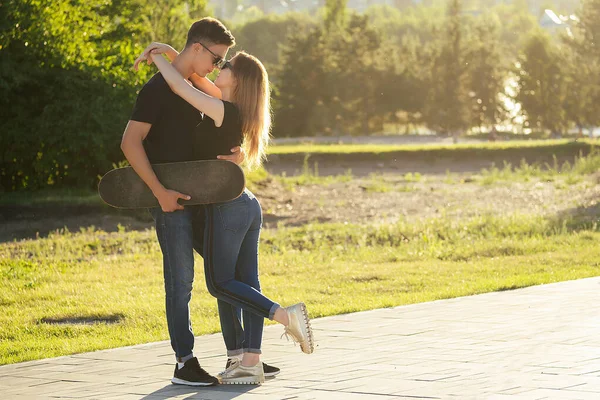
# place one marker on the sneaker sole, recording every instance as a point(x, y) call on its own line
point(177, 381)
point(241, 381)
point(309, 347)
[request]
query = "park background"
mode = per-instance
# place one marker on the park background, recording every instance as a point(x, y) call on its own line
point(422, 150)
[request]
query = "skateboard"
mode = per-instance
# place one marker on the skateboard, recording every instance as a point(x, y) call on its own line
point(211, 181)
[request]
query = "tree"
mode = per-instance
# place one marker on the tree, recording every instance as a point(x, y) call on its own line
point(487, 75)
point(516, 24)
point(335, 14)
point(66, 69)
point(542, 85)
point(447, 108)
point(329, 78)
point(403, 4)
point(583, 70)
point(403, 82)
point(300, 77)
point(169, 20)
point(264, 36)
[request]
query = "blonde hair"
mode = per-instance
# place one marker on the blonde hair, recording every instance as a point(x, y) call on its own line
point(252, 96)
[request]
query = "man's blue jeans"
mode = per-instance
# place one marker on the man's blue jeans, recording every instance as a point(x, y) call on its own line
point(175, 236)
point(231, 237)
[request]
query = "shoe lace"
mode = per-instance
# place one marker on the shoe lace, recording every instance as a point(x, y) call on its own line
point(196, 367)
point(287, 335)
point(234, 364)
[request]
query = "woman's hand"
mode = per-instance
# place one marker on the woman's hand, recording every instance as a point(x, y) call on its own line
point(155, 48)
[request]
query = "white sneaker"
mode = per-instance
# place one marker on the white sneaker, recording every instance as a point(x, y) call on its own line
point(237, 374)
point(299, 327)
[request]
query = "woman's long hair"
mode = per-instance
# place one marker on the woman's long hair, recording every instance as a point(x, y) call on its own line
point(252, 96)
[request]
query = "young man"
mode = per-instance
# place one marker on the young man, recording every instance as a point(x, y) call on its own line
point(161, 130)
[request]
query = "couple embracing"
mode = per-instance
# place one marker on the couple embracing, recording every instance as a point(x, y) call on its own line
point(180, 115)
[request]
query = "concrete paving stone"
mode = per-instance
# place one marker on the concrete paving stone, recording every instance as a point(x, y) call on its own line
point(16, 382)
point(344, 396)
point(293, 381)
point(557, 382)
point(279, 392)
point(41, 387)
point(516, 390)
point(334, 386)
point(589, 386)
point(235, 393)
point(76, 389)
point(517, 396)
point(126, 397)
point(559, 395)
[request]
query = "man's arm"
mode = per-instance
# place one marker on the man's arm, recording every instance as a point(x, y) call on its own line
point(133, 149)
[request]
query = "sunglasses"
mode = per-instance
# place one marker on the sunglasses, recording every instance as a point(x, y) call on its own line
point(218, 61)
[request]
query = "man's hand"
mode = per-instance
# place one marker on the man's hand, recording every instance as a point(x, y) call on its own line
point(154, 48)
point(168, 200)
point(237, 156)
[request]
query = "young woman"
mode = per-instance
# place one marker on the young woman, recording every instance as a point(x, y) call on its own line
point(238, 113)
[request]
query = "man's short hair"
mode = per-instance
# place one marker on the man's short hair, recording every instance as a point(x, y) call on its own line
point(209, 31)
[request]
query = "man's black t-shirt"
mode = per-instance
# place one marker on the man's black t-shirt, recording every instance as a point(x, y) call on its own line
point(179, 133)
point(211, 141)
point(174, 121)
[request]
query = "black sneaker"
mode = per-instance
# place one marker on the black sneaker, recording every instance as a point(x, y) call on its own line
point(269, 370)
point(192, 374)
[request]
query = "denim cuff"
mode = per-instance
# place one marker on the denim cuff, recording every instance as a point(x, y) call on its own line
point(184, 359)
point(236, 352)
point(272, 310)
point(253, 351)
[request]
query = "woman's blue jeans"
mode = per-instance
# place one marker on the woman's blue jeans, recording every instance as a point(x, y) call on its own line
point(231, 238)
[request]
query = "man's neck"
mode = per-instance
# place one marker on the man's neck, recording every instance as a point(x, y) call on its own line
point(183, 66)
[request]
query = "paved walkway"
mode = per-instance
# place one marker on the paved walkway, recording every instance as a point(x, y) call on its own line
point(541, 342)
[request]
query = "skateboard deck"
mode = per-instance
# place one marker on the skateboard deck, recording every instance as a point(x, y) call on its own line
point(206, 182)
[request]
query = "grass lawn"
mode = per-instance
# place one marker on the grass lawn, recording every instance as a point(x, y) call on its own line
point(116, 278)
point(380, 148)
point(62, 197)
point(333, 268)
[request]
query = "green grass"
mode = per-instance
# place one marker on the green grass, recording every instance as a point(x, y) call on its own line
point(334, 268)
point(52, 196)
point(308, 176)
point(410, 177)
point(376, 148)
point(311, 179)
point(569, 173)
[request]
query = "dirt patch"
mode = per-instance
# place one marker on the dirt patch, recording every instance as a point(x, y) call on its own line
point(426, 160)
point(38, 221)
point(390, 198)
point(362, 200)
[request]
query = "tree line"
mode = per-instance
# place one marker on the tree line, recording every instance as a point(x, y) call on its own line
point(68, 88)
